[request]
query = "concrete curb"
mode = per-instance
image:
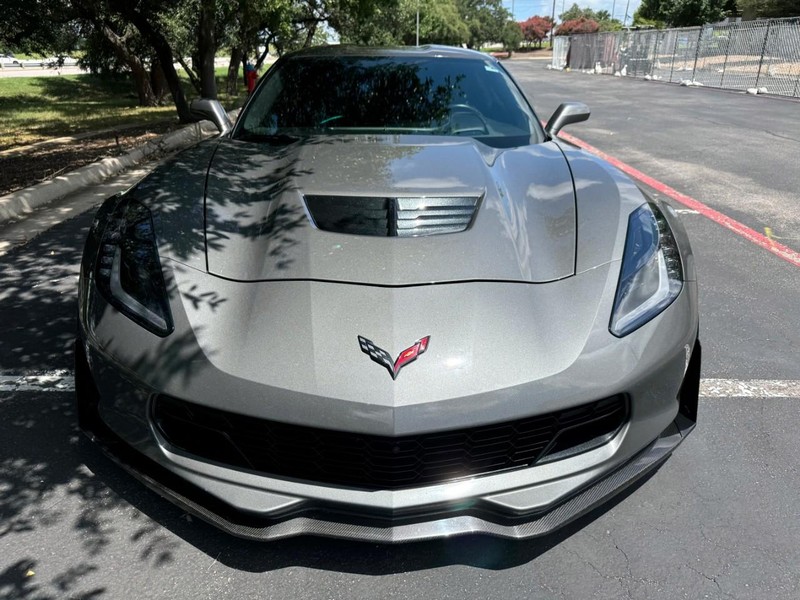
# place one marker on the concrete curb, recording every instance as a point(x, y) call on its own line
point(19, 204)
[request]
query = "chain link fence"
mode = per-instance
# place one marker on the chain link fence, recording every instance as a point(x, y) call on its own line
point(762, 55)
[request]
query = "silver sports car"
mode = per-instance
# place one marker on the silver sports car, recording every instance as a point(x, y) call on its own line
point(387, 305)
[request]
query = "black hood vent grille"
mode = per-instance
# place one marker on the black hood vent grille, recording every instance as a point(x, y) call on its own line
point(392, 217)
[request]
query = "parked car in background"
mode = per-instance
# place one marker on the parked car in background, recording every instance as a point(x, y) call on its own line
point(7, 60)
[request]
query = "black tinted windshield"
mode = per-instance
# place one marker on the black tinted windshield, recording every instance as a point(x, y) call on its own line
point(389, 94)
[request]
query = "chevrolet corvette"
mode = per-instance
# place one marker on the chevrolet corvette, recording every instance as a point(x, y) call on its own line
point(387, 304)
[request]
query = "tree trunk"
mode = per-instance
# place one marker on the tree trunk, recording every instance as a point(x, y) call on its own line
point(164, 53)
point(310, 31)
point(141, 80)
point(232, 85)
point(193, 78)
point(157, 81)
point(207, 49)
point(262, 58)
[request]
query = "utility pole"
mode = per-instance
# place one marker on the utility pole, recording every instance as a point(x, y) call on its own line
point(613, 9)
point(553, 20)
point(625, 18)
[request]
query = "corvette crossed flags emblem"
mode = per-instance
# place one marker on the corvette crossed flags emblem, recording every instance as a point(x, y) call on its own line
point(383, 358)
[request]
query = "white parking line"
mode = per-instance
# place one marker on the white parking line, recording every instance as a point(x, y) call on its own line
point(753, 388)
point(63, 381)
point(47, 381)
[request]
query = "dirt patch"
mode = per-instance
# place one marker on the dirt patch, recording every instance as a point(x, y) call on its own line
point(40, 163)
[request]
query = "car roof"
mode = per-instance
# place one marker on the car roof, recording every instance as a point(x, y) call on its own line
point(428, 51)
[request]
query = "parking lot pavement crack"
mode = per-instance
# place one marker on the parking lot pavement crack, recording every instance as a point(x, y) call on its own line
point(783, 137)
point(711, 579)
point(630, 577)
point(607, 576)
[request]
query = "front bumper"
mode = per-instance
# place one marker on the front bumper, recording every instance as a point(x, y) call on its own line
point(201, 495)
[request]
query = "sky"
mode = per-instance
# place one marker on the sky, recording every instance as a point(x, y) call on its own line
point(524, 9)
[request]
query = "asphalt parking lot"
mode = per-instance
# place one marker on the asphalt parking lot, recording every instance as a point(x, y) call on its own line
point(720, 519)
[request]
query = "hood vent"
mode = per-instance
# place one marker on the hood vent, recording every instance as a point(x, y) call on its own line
point(392, 217)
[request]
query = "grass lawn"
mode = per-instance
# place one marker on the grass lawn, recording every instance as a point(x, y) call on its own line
point(37, 108)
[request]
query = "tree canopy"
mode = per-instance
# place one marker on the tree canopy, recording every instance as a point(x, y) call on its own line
point(579, 16)
point(535, 29)
point(146, 38)
point(686, 13)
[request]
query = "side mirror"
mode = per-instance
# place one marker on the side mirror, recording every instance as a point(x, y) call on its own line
point(566, 113)
point(211, 110)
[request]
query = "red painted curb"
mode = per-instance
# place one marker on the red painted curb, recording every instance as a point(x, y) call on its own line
point(778, 249)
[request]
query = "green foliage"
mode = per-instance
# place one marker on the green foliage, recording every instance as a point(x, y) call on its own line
point(601, 17)
point(36, 26)
point(486, 20)
point(684, 13)
point(453, 22)
point(640, 21)
point(576, 12)
point(439, 23)
point(511, 37)
point(768, 9)
point(649, 10)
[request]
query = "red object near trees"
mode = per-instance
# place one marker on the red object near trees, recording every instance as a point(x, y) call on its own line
point(536, 29)
point(251, 77)
point(582, 25)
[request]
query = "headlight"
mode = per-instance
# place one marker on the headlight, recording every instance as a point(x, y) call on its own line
point(128, 271)
point(651, 276)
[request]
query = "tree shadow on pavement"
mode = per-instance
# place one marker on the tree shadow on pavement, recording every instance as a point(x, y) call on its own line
point(45, 460)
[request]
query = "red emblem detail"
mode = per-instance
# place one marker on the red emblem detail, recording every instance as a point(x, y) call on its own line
point(383, 358)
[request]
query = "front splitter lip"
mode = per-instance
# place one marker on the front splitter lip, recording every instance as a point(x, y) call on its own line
point(197, 502)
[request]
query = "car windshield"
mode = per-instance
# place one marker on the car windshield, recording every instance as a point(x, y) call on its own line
point(389, 94)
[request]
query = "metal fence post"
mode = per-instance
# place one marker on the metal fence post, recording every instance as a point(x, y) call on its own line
point(731, 31)
point(674, 50)
point(763, 51)
point(697, 52)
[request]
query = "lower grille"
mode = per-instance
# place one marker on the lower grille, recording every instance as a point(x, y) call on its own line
point(378, 462)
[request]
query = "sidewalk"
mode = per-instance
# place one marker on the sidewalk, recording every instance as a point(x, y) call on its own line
point(20, 205)
point(19, 232)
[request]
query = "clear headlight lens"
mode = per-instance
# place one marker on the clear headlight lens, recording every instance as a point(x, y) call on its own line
point(128, 271)
point(651, 276)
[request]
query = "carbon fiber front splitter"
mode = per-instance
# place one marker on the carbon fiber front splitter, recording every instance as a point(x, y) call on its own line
point(200, 504)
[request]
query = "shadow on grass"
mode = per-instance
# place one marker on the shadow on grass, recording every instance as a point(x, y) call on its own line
point(34, 108)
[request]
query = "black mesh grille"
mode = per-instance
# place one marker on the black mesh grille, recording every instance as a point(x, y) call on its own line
point(377, 462)
point(401, 217)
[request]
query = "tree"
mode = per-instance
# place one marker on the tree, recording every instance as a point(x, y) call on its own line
point(576, 12)
point(535, 29)
point(651, 10)
point(601, 17)
point(439, 23)
point(580, 25)
point(36, 26)
point(144, 16)
point(768, 9)
point(486, 20)
point(511, 38)
point(112, 47)
point(685, 13)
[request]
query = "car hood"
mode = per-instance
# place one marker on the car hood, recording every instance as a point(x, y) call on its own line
point(258, 226)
